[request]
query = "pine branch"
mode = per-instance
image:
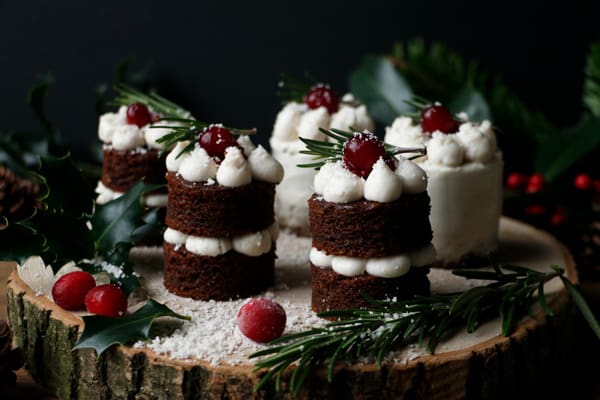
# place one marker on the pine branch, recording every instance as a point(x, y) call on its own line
point(389, 324)
point(127, 95)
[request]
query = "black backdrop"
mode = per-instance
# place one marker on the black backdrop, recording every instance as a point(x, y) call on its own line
point(222, 60)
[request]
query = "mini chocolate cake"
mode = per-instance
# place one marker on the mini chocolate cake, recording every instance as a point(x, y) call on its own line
point(369, 217)
point(123, 169)
point(221, 231)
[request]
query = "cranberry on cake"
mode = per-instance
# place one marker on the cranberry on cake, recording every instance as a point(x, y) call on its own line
point(307, 109)
point(369, 218)
point(131, 149)
point(464, 167)
point(220, 238)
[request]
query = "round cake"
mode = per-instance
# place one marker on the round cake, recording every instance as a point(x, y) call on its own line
point(207, 357)
point(464, 170)
point(303, 120)
point(220, 238)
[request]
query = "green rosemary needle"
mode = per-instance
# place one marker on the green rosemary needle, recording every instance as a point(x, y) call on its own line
point(426, 320)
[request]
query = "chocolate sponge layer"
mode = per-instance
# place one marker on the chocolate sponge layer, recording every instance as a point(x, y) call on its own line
point(332, 291)
point(228, 276)
point(195, 208)
point(123, 169)
point(370, 229)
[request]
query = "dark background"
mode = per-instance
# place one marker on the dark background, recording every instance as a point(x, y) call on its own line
point(222, 60)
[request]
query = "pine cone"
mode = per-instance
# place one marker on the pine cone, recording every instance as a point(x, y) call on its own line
point(10, 359)
point(18, 196)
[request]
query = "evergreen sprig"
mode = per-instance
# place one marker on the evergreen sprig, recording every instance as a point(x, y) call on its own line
point(331, 151)
point(127, 95)
point(426, 320)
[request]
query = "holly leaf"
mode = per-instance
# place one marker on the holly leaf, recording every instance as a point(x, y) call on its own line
point(100, 333)
point(36, 99)
point(67, 190)
point(567, 147)
point(382, 88)
point(472, 102)
point(117, 220)
point(19, 242)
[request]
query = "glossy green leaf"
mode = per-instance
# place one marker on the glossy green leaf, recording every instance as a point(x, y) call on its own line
point(382, 88)
point(100, 333)
point(19, 242)
point(472, 102)
point(564, 149)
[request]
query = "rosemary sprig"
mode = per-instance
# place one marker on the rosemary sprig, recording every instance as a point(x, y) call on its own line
point(331, 151)
point(424, 319)
point(127, 95)
point(188, 129)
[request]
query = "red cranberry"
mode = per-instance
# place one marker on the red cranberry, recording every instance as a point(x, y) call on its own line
point(361, 152)
point(583, 182)
point(437, 118)
point(322, 96)
point(108, 300)
point(138, 114)
point(536, 183)
point(215, 139)
point(70, 289)
point(155, 118)
point(559, 217)
point(535, 210)
point(261, 320)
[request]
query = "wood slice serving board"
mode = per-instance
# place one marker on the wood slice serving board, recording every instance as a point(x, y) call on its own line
point(207, 357)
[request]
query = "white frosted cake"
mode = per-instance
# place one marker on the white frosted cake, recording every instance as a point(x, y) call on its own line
point(299, 120)
point(465, 185)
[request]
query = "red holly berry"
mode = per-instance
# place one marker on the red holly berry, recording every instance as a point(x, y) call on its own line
point(215, 139)
point(138, 114)
point(322, 96)
point(559, 217)
point(108, 300)
point(69, 290)
point(362, 151)
point(535, 210)
point(583, 182)
point(437, 118)
point(516, 181)
point(261, 320)
point(536, 183)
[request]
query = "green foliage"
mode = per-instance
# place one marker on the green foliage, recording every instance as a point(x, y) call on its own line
point(591, 85)
point(100, 332)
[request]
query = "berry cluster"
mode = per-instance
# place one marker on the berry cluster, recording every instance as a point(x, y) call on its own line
point(77, 290)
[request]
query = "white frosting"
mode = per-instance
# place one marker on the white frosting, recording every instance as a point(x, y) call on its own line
point(464, 172)
point(235, 169)
point(252, 244)
point(294, 120)
point(264, 167)
point(151, 200)
point(338, 185)
point(197, 165)
point(113, 129)
point(383, 267)
point(382, 184)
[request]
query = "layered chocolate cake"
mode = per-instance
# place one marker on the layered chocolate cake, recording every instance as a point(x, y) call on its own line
point(220, 238)
point(464, 167)
point(371, 235)
point(320, 108)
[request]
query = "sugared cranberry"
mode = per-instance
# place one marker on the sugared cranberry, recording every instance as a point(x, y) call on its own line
point(361, 152)
point(583, 182)
point(108, 300)
point(215, 139)
point(261, 320)
point(437, 118)
point(138, 114)
point(516, 181)
point(322, 96)
point(535, 183)
point(69, 290)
